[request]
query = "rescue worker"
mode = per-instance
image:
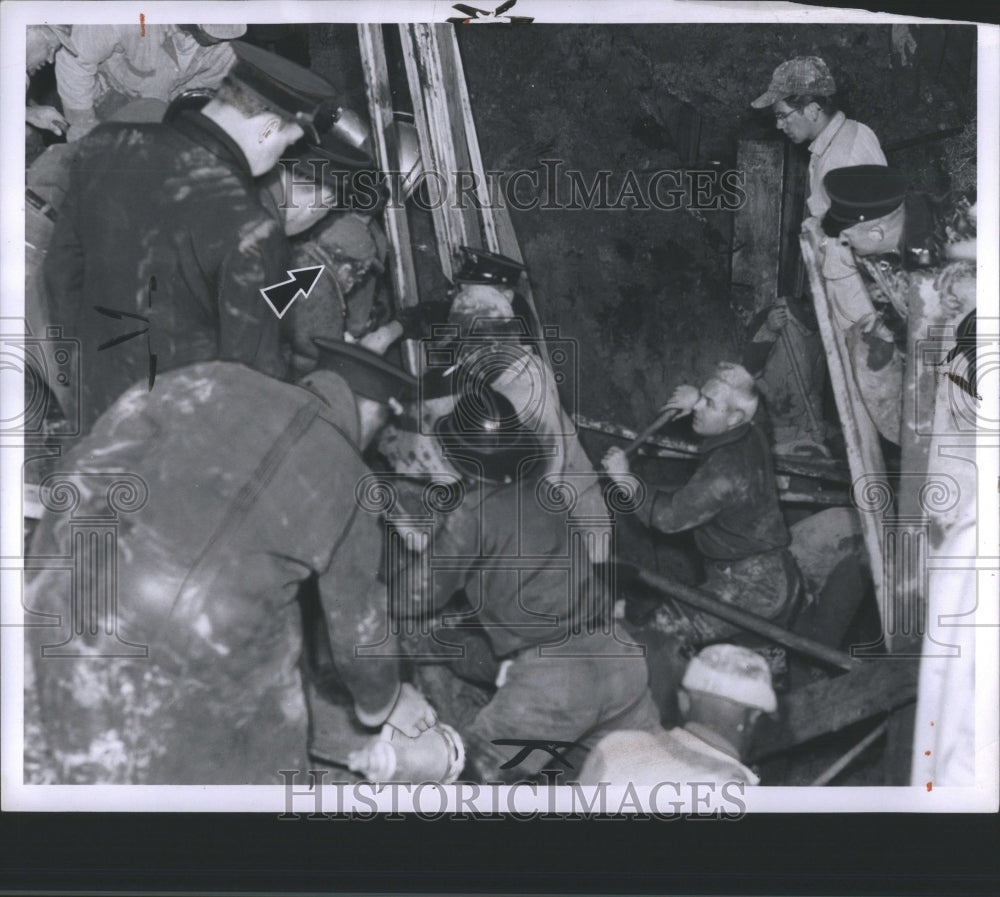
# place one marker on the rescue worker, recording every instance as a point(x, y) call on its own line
point(244, 488)
point(891, 239)
point(162, 245)
point(525, 606)
point(785, 356)
point(730, 504)
point(725, 690)
point(43, 41)
point(114, 64)
point(802, 97)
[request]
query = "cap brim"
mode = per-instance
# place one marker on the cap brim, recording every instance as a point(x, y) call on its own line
point(368, 374)
point(767, 99)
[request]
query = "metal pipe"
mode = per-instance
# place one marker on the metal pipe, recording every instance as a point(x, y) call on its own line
point(744, 619)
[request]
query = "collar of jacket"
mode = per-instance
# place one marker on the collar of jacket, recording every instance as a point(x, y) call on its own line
point(202, 130)
point(825, 138)
point(711, 443)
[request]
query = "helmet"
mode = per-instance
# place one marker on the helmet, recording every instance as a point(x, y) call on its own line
point(483, 438)
point(410, 162)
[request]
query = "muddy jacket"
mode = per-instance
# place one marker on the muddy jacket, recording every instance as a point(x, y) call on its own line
point(731, 501)
point(243, 487)
point(163, 227)
point(515, 559)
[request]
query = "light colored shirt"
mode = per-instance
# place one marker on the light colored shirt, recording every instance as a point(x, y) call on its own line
point(842, 143)
point(674, 755)
point(152, 61)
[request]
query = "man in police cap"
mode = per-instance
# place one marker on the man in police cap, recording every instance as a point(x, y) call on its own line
point(888, 238)
point(163, 246)
point(243, 490)
point(725, 690)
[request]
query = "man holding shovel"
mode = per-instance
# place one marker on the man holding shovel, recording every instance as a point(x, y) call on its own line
point(730, 503)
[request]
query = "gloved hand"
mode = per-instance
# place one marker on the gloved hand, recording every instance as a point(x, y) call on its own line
point(411, 713)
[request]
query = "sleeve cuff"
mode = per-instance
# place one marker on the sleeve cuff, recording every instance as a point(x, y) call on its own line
point(375, 718)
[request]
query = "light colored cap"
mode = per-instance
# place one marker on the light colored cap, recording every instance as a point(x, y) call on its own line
point(224, 32)
point(801, 75)
point(733, 672)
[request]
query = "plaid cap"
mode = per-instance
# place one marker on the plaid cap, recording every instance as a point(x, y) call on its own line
point(733, 672)
point(801, 75)
point(286, 87)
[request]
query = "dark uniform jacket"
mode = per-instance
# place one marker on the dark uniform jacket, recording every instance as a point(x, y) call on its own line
point(163, 224)
point(513, 557)
point(251, 489)
point(731, 501)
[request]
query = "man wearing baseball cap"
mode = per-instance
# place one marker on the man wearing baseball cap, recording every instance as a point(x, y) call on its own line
point(163, 244)
point(724, 691)
point(801, 97)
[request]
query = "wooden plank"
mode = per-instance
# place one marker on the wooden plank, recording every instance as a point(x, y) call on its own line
point(376, 71)
point(757, 225)
point(791, 273)
point(433, 70)
point(875, 686)
point(864, 454)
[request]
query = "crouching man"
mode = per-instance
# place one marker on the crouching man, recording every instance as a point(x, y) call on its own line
point(171, 655)
point(730, 503)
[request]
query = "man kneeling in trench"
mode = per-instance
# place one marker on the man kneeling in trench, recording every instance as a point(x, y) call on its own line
point(731, 504)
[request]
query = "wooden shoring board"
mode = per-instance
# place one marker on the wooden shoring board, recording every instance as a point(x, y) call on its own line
point(443, 115)
point(864, 454)
point(433, 68)
point(756, 226)
point(376, 72)
point(875, 686)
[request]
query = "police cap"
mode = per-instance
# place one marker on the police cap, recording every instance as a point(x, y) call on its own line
point(861, 193)
point(286, 87)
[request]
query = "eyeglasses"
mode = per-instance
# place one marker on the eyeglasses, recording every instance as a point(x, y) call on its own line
point(779, 117)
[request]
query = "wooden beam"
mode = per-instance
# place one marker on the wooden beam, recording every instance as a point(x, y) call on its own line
point(864, 454)
point(873, 687)
point(403, 273)
point(433, 70)
point(757, 225)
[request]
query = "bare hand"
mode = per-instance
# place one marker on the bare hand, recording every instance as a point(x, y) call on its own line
point(412, 714)
point(683, 400)
point(615, 463)
point(777, 318)
point(48, 118)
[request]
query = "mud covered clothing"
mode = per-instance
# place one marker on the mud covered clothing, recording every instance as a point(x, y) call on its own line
point(162, 226)
point(251, 491)
point(731, 505)
point(731, 501)
point(573, 675)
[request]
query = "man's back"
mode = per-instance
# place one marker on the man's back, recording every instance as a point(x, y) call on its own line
point(250, 487)
point(159, 255)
